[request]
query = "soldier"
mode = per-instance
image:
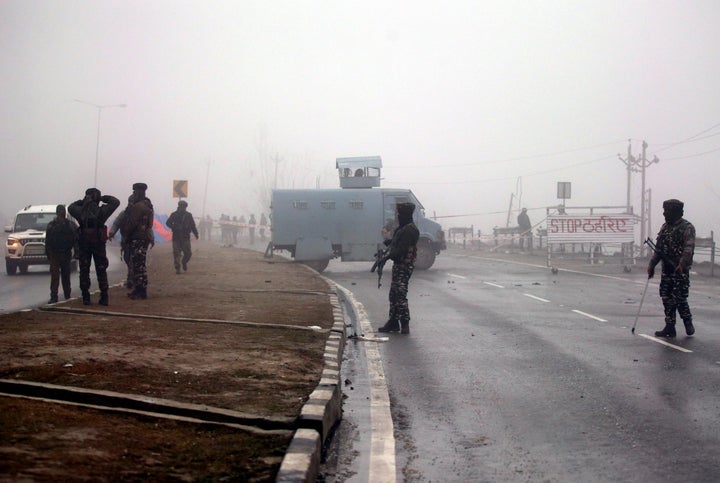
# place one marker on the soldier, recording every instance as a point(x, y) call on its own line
point(675, 247)
point(251, 228)
point(402, 250)
point(181, 223)
point(125, 254)
point(525, 228)
point(137, 229)
point(92, 239)
point(263, 223)
point(60, 239)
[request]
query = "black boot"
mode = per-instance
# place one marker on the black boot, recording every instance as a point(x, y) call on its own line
point(689, 327)
point(138, 294)
point(405, 327)
point(390, 326)
point(53, 299)
point(86, 297)
point(668, 331)
point(103, 298)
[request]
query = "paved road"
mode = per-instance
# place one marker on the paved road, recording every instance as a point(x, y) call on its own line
point(32, 289)
point(512, 373)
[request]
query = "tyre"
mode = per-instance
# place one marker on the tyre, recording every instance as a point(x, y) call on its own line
point(425, 254)
point(10, 267)
point(317, 265)
point(23, 268)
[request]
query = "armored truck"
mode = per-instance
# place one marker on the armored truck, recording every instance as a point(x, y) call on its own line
point(317, 225)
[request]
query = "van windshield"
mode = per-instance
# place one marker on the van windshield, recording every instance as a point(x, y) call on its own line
point(32, 221)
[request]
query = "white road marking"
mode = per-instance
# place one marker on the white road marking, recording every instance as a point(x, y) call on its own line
point(536, 298)
point(659, 341)
point(493, 284)
point(457, 276)
point(589, 315)
point(382, 439)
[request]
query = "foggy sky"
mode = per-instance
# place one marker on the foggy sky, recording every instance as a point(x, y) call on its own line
point(467, 102)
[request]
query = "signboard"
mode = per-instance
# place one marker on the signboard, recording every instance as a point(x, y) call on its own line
point(180, 188)
point(563, 190)
point(591, 228)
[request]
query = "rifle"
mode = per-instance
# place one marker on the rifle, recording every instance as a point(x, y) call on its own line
point(663, 257)
point(379, 263)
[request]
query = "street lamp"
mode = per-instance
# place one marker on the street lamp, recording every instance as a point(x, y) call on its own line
point(97, 142)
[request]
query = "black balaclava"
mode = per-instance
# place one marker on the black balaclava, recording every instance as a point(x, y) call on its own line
point(60, 211)
point(94, 194)
point(182, 205)
point(405, 213)
point(672, 210)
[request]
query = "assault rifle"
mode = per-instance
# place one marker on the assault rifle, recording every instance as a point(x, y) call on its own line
point(665, 259)
point(379, 263)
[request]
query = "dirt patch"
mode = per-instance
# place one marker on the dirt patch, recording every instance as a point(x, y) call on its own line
point(264, 370)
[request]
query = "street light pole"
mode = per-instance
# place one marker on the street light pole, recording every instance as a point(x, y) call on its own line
point(97, 141)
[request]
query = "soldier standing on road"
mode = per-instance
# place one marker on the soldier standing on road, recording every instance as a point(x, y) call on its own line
point(263, 222)
point(60, 239)
point(402, 250)
point(525, 227)
point(675, 248)
point(92, 239)
point(181, 223)
point(138, 227)
point(125, 254)
point(251, 228)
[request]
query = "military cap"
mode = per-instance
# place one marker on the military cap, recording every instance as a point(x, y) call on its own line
point(406, 208)
point(140, 186)
point(673, 204)
point(182, 203)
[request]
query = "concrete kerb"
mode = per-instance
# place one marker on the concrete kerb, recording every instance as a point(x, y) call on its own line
point(322, 411)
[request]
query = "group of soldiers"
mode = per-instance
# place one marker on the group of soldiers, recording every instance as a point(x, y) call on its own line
point(232, 228)
point(88, 238)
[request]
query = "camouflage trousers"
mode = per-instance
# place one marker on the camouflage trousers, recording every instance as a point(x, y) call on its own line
point(127, 258)
point(182, 251)
point(138, 253)
point(87, 253)
point(674, 290)
point(399, 308)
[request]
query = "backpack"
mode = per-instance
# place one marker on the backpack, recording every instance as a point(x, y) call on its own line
point(92, 229)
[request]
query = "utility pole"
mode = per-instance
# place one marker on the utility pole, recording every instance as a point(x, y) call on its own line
point(644, 218)
point(629, 162)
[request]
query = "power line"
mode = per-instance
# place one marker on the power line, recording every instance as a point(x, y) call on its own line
point(693, 155)
point(506, 160)
point(693, 138)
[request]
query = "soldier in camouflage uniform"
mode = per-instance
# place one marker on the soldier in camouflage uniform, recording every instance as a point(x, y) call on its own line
point(138, 226)
point(675, 248)
point(402, 250)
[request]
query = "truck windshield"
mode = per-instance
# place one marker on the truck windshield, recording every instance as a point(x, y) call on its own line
point(32, 221)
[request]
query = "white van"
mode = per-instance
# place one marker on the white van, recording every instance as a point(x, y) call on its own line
point(25, 245)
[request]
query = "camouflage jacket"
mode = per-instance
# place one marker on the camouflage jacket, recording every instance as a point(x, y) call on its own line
point(675, 242)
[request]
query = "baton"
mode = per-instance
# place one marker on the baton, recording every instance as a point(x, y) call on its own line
point(641, 304)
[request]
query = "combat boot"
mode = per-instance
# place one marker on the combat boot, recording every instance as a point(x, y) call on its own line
point(103, 298)
point(689, 327)
point(138, 294)
point(390, 326)
point(53, 299)
point(668, 331)
point(86, 297)
point(405, 327)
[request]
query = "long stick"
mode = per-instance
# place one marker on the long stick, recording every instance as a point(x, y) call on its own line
point(641, 304)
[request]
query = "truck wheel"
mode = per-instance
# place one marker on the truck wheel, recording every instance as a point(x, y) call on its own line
point(317, 265)
point(425, 254)
point(10, 267)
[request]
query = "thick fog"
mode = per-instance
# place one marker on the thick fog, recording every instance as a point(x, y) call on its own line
point(477, 106)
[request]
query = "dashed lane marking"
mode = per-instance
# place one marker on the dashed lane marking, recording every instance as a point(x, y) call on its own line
point(659, 341)
point(536, 298)
point(589, 315)
point(456, 276)
point(493, 284)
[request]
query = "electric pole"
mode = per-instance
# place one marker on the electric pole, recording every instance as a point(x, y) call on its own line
point(629, 162)
point(644, 217)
